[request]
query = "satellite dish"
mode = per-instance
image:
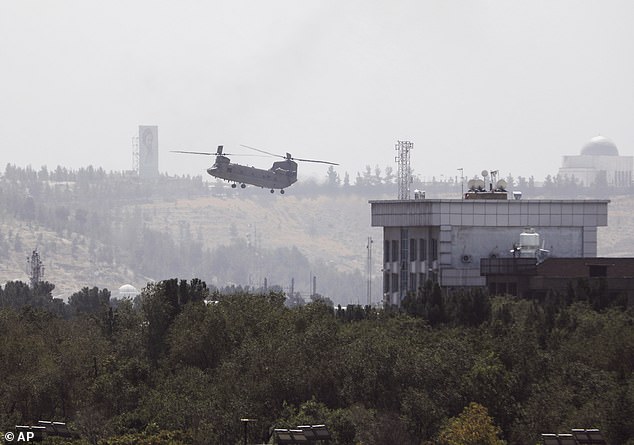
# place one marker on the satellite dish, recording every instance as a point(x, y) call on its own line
point(485, 173)
point(479, 184)
point(501, 184)
point(471, 184)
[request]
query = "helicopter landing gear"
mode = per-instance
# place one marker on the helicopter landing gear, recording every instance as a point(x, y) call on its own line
point(272, 190)
point(243, 185)
point(233, 186)
point(282, 191)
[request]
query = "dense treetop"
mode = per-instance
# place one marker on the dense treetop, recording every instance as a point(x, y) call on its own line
point(183, 363)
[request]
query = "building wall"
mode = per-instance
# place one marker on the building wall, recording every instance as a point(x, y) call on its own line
point(457, 233)
point(586, 169)
point(524, 278)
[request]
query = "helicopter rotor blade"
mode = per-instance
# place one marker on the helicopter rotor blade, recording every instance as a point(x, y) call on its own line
point(262, 151)
point(216, 154)
point(289, 157)
point(313, 160)
point(193, 152)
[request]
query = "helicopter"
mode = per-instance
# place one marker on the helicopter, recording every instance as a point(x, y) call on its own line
point(280, 176)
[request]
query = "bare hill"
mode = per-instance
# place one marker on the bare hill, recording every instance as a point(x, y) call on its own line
point(69, 260)
point(329, 229)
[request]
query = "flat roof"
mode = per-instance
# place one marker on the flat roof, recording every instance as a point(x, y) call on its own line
point(490, 212)
point(496, 201)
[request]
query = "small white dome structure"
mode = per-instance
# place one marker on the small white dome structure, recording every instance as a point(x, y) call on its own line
point(598, 164)
point(128, 291)
point(599, 146)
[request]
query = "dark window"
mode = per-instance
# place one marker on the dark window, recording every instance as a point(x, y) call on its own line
point(598, 270)
point(395, 250)
point(386, 282)
point(434, 249)
point(386, 251)
point(421, 280)
point(413, 251)
point(412, 281)
point(423, 249)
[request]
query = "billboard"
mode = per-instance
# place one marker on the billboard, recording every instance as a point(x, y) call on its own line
point(148, 151)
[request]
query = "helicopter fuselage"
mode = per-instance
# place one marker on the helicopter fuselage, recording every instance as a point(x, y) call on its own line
point(281, 175)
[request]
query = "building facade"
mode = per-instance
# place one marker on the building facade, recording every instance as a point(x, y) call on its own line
point(443, 240)
point(525, 278)
point(598, 164)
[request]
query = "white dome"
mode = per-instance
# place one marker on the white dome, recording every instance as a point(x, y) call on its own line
point(128, 289)
point(600, 146)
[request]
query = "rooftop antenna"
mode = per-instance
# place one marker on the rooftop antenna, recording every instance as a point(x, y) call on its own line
point(404, 172)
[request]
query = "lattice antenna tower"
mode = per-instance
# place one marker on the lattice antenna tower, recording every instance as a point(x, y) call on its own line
point(404, 172)
point(35, 269)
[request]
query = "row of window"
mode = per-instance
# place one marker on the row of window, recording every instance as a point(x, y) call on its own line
point(391, 282)
point(417, 249)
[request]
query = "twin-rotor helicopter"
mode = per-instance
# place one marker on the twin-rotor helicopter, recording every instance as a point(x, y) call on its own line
point(280, 176)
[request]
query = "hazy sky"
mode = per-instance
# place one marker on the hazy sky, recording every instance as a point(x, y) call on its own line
point(508, 85)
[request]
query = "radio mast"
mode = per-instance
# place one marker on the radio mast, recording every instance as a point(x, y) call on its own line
point(404, 172)
point(35, 269)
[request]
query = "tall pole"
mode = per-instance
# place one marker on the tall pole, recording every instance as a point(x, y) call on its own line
point(461, 170)
point(245, 422)
point(369, 270)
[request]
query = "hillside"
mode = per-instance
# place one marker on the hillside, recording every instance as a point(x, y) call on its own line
point(68, 261)
point(327, 228)
point(329, 231)
point(105, 230)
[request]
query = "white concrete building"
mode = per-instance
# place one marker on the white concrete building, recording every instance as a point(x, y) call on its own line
point(599, 163)
point(444, 239)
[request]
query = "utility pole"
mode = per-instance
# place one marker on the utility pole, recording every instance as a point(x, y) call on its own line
point(369, 269)
point(461, 170)
point(246, 423)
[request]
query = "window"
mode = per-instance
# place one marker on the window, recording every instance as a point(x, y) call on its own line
point(386, 282)
point(597, 270)
point(394, 282)
point(434, 249)
point(412, 282)
point(423, 249)
point(413, 251)
point(386, 251)
point(395, 250)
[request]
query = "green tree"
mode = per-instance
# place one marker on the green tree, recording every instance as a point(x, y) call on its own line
point(473, 426)
point(90, 301)
point(333, 177)
point(161, 303)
